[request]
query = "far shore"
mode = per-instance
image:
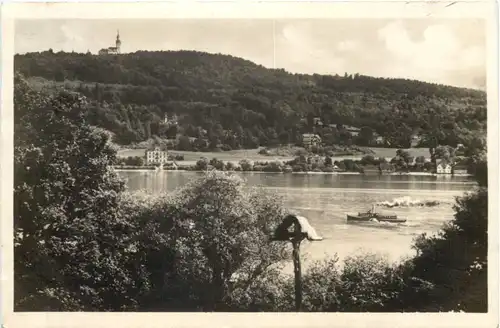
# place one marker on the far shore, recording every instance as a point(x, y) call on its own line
point(117, 169)
point(253, 154)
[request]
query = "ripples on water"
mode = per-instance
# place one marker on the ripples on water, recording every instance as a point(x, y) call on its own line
point(325, 200)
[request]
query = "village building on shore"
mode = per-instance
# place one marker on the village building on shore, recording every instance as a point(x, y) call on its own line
point(310, 139)
point(353, 131)
point(156, 155)
point(444, 167)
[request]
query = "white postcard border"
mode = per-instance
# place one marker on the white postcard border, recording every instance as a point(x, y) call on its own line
point(243, 10)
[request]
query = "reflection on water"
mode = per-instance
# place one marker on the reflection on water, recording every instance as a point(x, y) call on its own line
point(325, 200)
point(157, 181)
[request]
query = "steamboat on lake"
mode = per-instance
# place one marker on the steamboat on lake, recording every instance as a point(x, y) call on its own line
point(372, 216)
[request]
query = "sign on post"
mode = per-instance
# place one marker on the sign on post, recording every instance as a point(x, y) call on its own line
point(294, 229)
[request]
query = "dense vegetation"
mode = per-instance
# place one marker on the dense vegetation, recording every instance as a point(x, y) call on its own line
point(223, 102)
point(83, 243)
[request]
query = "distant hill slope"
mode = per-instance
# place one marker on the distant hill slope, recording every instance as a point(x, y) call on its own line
point(226, 101)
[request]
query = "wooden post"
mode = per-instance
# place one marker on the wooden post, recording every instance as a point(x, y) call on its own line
point(298, 275)
point(297, 269)
point(301, 230)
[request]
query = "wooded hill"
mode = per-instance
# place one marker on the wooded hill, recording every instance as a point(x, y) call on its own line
point(227, 102)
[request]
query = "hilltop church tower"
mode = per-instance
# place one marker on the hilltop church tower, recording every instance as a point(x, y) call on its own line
point(113, 50)
point(118, 42)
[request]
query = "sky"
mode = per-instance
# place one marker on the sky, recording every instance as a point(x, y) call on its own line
point(445, 51)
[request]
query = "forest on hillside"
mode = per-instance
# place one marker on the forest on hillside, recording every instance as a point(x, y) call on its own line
point(224, 102)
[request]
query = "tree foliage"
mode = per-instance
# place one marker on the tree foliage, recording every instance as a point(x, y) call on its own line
point(221, 237)
point(455, 261)
point(70, 243)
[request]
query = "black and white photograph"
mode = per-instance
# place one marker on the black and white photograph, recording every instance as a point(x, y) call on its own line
point(265, 164)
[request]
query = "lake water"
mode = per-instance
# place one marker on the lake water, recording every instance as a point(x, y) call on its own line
point(325, 200)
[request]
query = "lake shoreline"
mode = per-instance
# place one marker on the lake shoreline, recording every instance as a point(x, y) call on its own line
point(117, 169)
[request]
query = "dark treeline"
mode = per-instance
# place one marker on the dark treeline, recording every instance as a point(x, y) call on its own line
point(226, 102)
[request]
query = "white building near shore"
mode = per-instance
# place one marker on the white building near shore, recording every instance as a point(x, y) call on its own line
point(444, 168)
point(311, 139)
point(156, 155)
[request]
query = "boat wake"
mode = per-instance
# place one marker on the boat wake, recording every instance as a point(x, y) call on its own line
point(407, 201)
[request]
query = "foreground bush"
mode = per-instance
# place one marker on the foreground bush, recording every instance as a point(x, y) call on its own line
point(365, 283)
point(219, 232)
point(455, 260)
point(71, 244)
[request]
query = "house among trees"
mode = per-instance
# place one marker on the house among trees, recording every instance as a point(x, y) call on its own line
point(317, 121)
point(354, 131)
point(378, 138)
point(310, 140)
point(157, 155)
point(170, 121)
point(316, 159)
point(460, 150)
point(415, 140)
point(444, 167)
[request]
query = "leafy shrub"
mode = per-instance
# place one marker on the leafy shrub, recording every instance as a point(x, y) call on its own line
point(134, 161)
point(328, 161)
point(369, 160)
point(246, 165)
point(298, 168)
point(230, 166)
point(202, 164)
point(272, 291)
point(71, 242)
point(301, 152)
point(221, 232)
point(217, 164)
point(273, 167)
point(226, 147)
point(258, 168)
point(455, 261)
